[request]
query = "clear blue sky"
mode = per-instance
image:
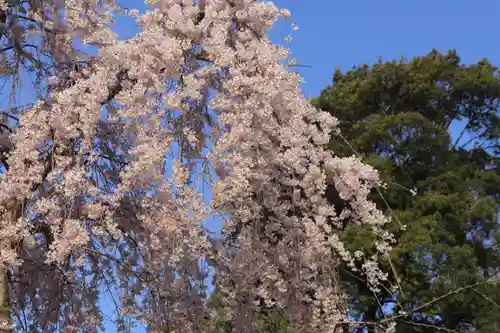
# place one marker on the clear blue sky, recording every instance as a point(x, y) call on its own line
point(336, 33)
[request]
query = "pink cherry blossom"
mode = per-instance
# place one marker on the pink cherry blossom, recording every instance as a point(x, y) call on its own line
point(201, 83)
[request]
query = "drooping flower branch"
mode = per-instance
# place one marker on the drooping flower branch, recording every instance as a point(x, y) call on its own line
point(203, 82)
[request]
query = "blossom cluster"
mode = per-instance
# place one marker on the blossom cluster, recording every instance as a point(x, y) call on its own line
point(200, 82)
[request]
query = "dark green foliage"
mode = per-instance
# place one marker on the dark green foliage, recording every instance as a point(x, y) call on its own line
point(398, 117)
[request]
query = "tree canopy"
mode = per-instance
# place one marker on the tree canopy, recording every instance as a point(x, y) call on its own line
point(103, 187)
point(431, 126)
point(103, 202)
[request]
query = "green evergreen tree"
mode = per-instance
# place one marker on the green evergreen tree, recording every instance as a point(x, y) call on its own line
point(442, 190)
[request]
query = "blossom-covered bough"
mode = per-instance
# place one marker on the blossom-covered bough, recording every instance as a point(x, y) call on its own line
point(102, 195)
